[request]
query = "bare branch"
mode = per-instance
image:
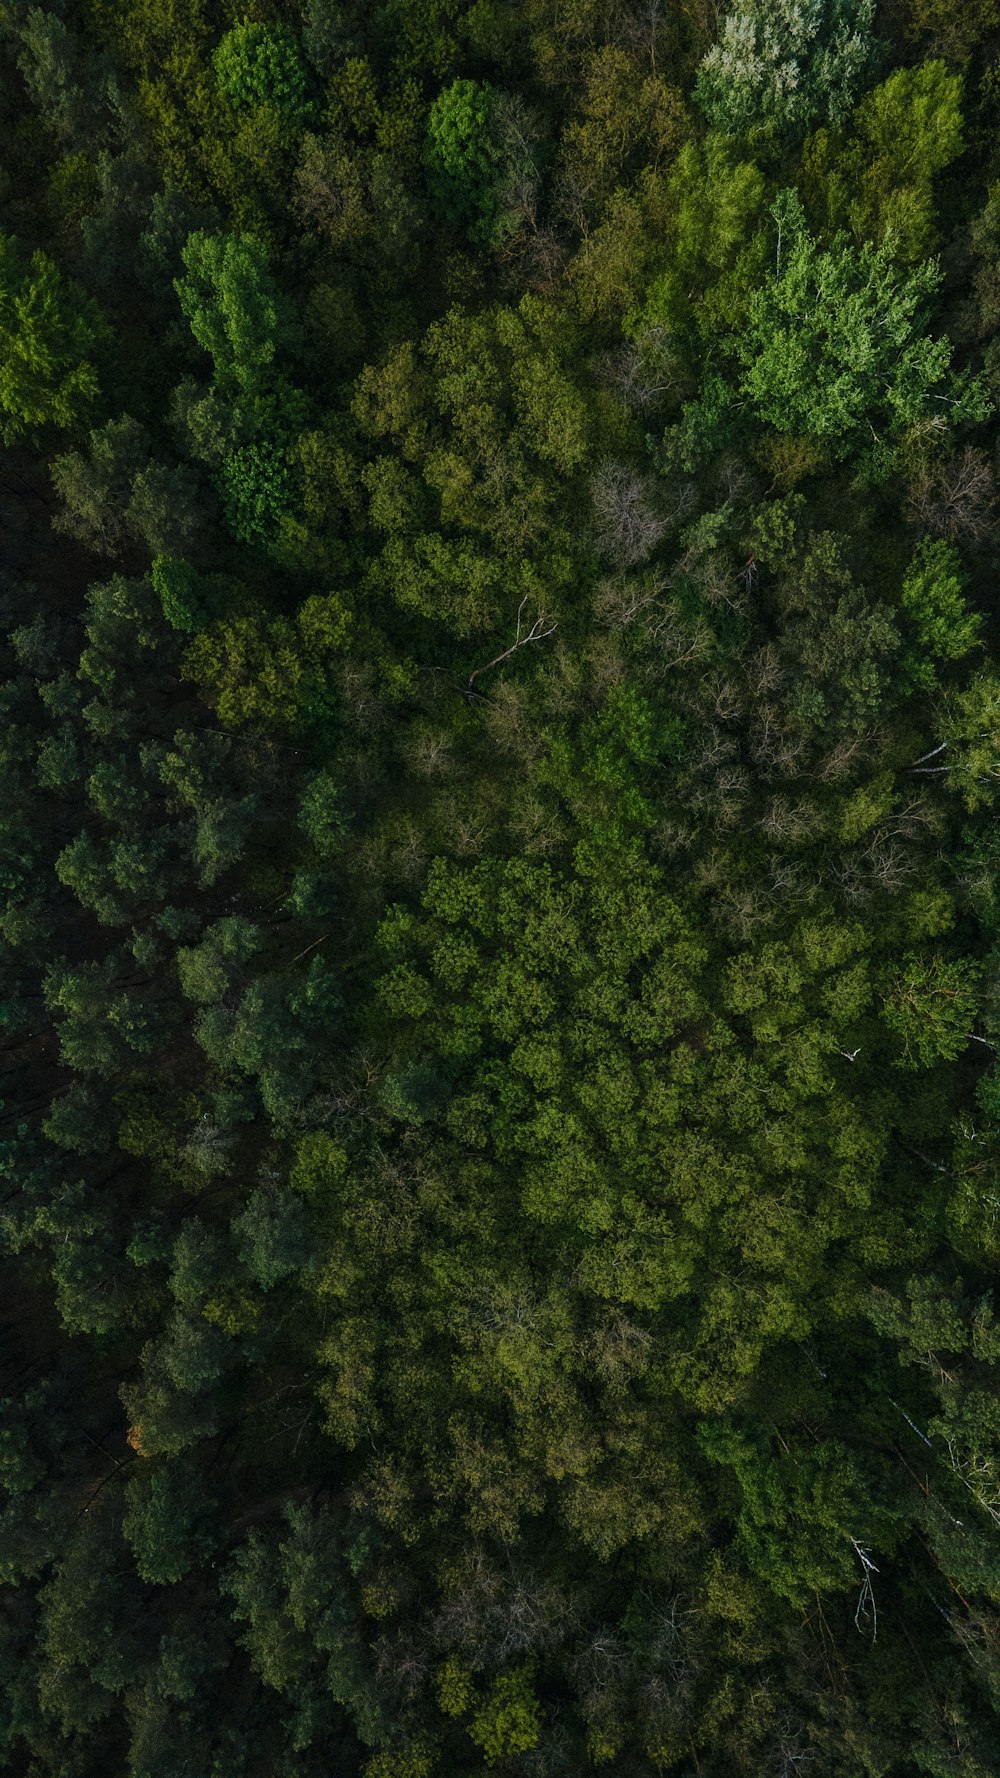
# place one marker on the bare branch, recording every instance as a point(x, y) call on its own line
point(866, 1598)
point(522, 637)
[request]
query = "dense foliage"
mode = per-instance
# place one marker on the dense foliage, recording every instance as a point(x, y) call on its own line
point(500, 889)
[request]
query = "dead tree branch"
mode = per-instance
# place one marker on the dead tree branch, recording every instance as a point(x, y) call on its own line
point(521, 639)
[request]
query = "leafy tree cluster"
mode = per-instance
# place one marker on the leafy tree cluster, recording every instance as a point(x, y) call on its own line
point(499, 892)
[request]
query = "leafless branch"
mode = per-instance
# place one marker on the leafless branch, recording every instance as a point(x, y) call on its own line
point(866, 1597)
point(537, 633)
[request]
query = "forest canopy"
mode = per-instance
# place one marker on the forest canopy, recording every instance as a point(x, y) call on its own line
point(500, 889)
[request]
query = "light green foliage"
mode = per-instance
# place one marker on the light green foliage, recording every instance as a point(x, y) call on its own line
point(254, 670)
point(719, 244)
point(274, 674)
point(579, 1077)
point(835, 344)
point(936, 1325)
point(49, 330)
point(930, 1006)
point(880, 181)
point(934, 601)
point(255, 482)
point(507, 1724)
point(910, 130)
point(627, 113)
point(782, 65)
point(473, 999)
point(972, 734)
point(232, 305)
point(491, 418)
point(207, 970)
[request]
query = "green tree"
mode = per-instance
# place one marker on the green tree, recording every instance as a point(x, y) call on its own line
point(971, 728)
point(49, 334)
point(117, 494)
point(910, 130)
point(272, 1237)
point(271, 674)
point(781, 65)
point(933, 598)
point(947, 32)
point(718, 242)
point(90, 1634)
point(256, 488)
point(835, 345)
point(233, 306)
point(180, 592)
point(929, 1005)
point(262, 64)
point(507, 1723)
point(479, 161)
point(804, 1512)
point(166, 1520)
point(207, 970)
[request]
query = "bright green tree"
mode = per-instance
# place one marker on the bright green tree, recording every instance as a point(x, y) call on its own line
point(933, 598)
point(835, 344)
point(231, 301)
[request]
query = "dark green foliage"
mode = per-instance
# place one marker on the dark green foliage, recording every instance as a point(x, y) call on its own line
point(462, 157)
point(258, 64)
point(480, 161)
point(178, 589)
point(164, 1521)
point(499, 890)
point(118, 496)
